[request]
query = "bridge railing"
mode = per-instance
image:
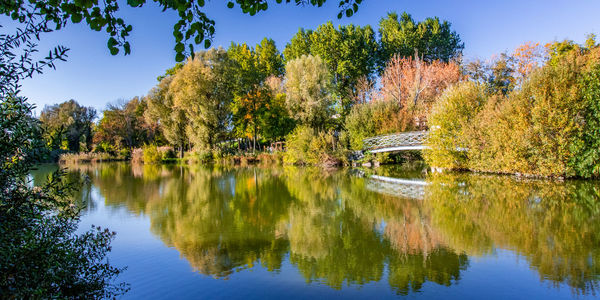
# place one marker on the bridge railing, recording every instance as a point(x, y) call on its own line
point(404, 139)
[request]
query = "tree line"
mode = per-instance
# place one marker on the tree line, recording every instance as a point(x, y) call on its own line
point(250, 96)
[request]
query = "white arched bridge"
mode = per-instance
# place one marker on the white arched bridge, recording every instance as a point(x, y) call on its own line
point(404, 141)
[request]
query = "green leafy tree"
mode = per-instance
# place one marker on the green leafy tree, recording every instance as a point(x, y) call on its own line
point(42, 255)
point(586, 158)
point(247, 111)
point(252, 95)
point(270, 60)
point(432, 39)
point(308, 86)
point(348, 51)
point(71, 120)
point(276, 121)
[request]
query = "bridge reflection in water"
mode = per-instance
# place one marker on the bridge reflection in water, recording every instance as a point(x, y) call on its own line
point(405, 188)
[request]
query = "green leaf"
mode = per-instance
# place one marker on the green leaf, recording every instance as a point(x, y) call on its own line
point(76, 18)
point(179, 47)
point(179, 57)
point(206, 44)
point(349, 13)
point(127, 48)
point(114, 51)
point(230, 4)
point(112, 42)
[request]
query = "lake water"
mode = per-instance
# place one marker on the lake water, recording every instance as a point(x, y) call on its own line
point(259, 232)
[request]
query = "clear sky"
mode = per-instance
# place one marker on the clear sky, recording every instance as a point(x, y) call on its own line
point(94, 78)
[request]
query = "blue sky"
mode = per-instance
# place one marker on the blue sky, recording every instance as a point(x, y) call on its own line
point(94, 78)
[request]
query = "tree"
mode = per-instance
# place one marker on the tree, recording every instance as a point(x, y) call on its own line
point(71, 120)
point(172, 120)
point(348, 51)
point(194, 27)
point(432, 39)
point(270, 60)
point(41, 252)
point(276, 121)
point(308, 86)
point(123, 125)
point(416, 84)
point(251, 93)
point(247, 112)
point(203, 91)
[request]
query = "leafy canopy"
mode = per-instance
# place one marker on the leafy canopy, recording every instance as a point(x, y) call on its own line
point(194, 27)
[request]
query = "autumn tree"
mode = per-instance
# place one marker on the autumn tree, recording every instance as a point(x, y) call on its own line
point(416, 84)
point(203, 91)
point(123, 125)
point(308, 85)
point(70, 123)
point(528, 57)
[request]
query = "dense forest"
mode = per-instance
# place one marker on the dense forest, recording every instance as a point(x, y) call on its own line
point(532, 111)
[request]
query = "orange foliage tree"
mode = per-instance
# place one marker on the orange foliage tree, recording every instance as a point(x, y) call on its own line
point(416, 84)
point(528, 57)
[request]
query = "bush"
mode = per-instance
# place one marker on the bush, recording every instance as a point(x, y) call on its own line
point(125, 153)
point(549, 126)
point(169, 154)
point(75, 158)
point(376, 118)
point(448, 120)
point(151, 154)
point(105, 147)
point(586, 156)
point(306, 147)
point(137, 156)
point(297, 145)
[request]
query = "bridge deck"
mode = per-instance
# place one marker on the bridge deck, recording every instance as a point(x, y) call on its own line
point(413, 140)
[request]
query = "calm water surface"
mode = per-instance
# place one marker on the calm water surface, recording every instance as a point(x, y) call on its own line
point(254, 232)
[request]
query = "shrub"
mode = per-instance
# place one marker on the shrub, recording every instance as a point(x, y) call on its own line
point(376, 118)
point(297, 145)
point(151, 154)
point(549, 126)
point(137, 156)
point(125, 153)
point(105, 147)
point(168, 154)
point(586, 156)
point(75, 158)
point(306, 147)
point(450, 116)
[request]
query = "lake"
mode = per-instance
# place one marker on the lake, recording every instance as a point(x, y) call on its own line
point(286, 232)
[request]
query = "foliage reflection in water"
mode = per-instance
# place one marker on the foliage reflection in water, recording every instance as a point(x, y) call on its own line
point(336, 229)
